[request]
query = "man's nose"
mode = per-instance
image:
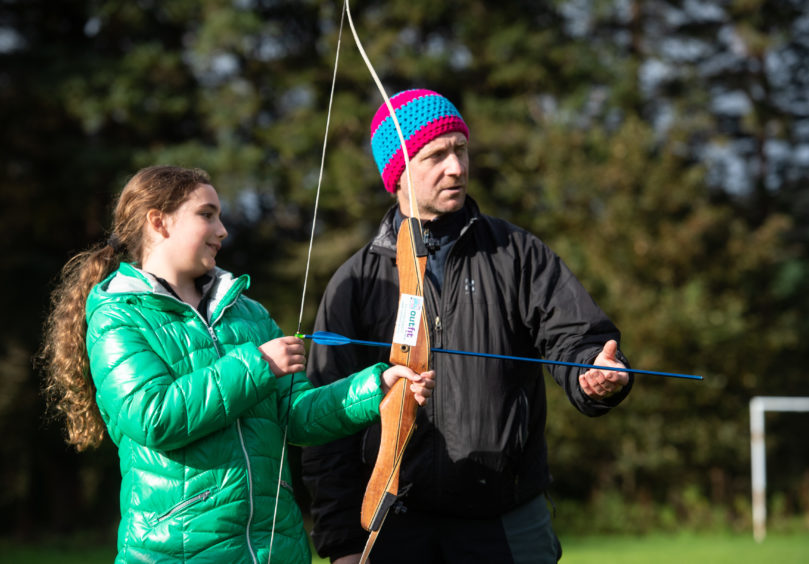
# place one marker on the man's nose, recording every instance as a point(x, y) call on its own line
point(454, 166)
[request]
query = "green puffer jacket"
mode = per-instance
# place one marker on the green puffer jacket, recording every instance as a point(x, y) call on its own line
point(196, 414)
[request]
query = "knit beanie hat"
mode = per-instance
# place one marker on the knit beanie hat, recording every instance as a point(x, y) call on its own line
point(423, 115)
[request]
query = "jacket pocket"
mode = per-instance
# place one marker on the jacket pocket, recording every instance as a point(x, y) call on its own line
point(182, 506)
point(519, 419)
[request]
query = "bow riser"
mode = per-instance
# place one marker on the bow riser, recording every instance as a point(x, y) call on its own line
point(398, 414)
point(411, 261)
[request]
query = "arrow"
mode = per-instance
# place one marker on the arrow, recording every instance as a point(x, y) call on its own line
point(333, 339)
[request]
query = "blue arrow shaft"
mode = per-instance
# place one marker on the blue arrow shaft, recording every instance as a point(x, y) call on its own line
point(334, 339)
point(576, 364)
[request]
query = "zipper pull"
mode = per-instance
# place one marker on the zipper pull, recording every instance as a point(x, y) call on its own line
point(438, 329)
point(215, 339)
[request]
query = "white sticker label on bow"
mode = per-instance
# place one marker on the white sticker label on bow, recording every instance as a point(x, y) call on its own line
point(407, 321)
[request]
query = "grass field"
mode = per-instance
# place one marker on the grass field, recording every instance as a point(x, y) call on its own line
point(724, 549)
point(655, 549)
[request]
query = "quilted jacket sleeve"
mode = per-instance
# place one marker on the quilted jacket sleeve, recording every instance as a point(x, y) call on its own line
point(142, 399)
point(321, 415)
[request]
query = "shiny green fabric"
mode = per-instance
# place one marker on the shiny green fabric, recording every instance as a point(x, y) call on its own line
point(198, 418)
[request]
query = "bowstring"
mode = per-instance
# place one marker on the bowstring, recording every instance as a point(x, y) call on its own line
point(322, 166)
point(413, 208)
point(306, 272)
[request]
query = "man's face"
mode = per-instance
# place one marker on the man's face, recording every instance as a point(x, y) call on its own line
point(440, 172)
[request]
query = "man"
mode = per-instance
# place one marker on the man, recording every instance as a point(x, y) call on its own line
point(474, 476)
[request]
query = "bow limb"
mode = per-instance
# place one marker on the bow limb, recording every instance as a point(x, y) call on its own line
point(413, 208)
point(411, 348)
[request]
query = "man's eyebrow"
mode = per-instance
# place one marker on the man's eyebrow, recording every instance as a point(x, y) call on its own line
point(440, 148)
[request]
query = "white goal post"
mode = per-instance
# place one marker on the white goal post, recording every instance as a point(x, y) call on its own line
point(758, 453)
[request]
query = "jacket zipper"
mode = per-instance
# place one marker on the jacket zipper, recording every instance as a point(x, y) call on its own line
point(215, 340)
point(438, 328)
point(252, 551)
point(184, 504)
point(249, 492)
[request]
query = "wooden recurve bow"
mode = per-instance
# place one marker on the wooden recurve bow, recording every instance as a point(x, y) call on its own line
point(411, 348)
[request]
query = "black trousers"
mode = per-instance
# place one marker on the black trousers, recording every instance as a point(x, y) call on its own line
point(523, 536)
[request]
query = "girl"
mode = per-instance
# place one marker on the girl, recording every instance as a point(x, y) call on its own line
point(192, 380)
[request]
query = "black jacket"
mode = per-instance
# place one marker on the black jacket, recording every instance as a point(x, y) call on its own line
point(479, 448)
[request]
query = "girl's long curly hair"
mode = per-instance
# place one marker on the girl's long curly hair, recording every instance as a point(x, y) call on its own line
point(69, 387)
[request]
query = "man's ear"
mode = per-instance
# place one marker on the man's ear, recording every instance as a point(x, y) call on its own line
point(156, 221)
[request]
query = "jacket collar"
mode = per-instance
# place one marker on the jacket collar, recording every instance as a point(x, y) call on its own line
point(385, 240)
point(130, 280)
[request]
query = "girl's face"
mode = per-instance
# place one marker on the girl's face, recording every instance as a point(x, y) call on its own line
point(195, 232)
